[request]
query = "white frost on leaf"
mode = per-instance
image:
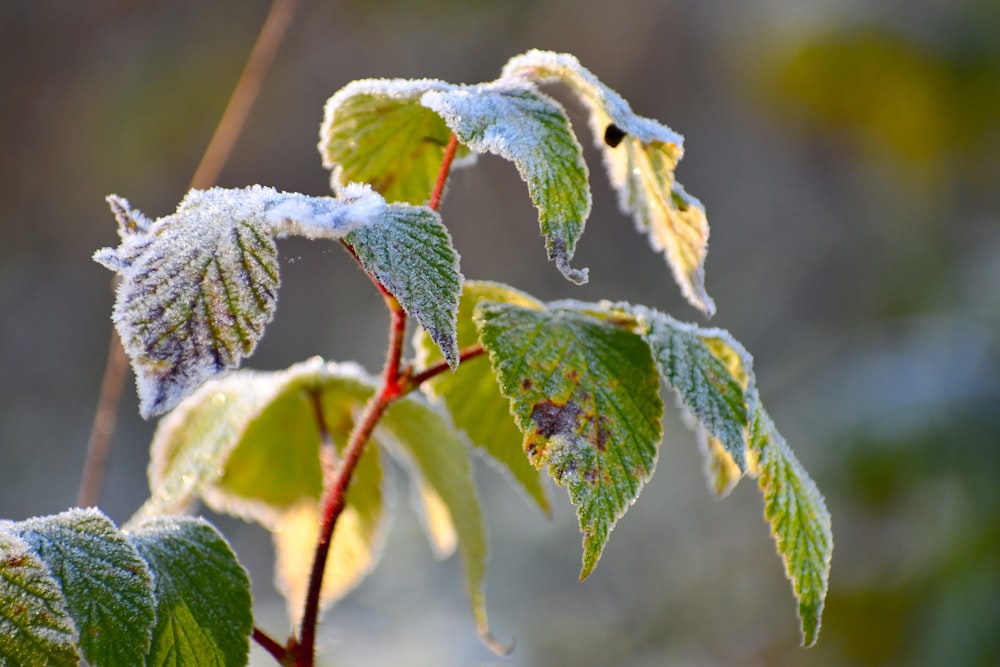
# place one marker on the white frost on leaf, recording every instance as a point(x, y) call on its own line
point(518, 123)
point(640, 155)
point(198, 286)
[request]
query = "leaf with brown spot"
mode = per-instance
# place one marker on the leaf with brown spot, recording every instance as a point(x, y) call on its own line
point(585, 393)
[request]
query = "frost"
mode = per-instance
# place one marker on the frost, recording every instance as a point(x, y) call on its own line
point(35, 628)
point(520, 124)
point(409, 251)
point(640, 155)
point(800, 522)
point(199, 286)
point(585, 393)
point(107, 586)
point(375, 131)
point(203, 612)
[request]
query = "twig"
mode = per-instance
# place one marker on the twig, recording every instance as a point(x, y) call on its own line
point(279, 652)
point(230, 126)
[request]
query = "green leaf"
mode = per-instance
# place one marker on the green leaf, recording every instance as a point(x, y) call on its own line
point(376, 131)
point(437, 455)
point(249, 445)
point(640, 155)
point(473, 397)
point(198, 287)
point(800, 522)
point(35, 629)
point(410, 252)
point(585, 393)
point(203, 614)
point(192, 443)
point(520, 124)
point(107, 587)
point(711, 374)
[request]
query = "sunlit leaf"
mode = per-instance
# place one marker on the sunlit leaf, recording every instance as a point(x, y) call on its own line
point(107, 587)
point(585, 393)
point(520, 124)
point(198, 286)
point(409, 251)
point(376, 131)
point(434, 451)
point(473, 396)
point(640, 155)
point(800, 522)
point(721, 470)
point(711, 374)
point(249, 445)
point(203, 614)
point(35, 628)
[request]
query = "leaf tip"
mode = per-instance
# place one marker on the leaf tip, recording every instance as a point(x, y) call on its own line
point(561, 254)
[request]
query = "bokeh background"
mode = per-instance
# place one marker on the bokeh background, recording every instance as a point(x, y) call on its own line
point(846, 152)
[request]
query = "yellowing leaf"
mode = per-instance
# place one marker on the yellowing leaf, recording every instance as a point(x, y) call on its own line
point(640, 155)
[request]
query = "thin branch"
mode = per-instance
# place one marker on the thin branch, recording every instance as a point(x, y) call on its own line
point(105, 417)
point(272, 34)
point(277, 651)
point(230, 126)
point(442, 179)
point(464, 355)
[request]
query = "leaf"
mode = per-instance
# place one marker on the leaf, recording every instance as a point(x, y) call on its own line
point(203, 612)
point(436, 454)
point(192, 444)
point(376, 131)
point(640, 155)
point(473, 397)
point(198, 286)
point(107, 587)
point(585, 393)
point(800, 522)
point(249, 445)
point(35, 628)
point(520, 124)
point(409, 251)
point(711, 374)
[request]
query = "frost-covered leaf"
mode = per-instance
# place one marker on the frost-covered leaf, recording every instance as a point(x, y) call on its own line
point(203, 614)
point(473, 396)
point(721, 470)
point(522, 125)
point(198, 286)
point(376, 131)
point(409, 251)
point(35, 628)
point(711, 373)
point(107, 587)
point(800, 522)
point(436, 453)
point(585, 393)
point(640, 155)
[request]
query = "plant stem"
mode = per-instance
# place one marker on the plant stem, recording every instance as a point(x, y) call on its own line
point(279, 652)
point(464, 354)
point(449, 157)
point(394, 385)
point(272, 34)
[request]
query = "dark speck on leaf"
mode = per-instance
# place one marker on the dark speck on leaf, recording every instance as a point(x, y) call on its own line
point(551, 418)
point(613, 135)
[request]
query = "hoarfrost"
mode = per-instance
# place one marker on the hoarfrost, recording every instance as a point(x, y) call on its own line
point(198, 286)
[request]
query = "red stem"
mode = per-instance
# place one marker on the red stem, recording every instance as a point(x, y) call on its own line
point(464, 354)
point(394, 384)
point(449, 157)
point(279, 652)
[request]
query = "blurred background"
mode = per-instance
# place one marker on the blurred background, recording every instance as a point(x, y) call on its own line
point(847, 157)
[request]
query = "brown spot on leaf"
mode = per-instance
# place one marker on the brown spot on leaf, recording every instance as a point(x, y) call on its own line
point(573, 375)
point(602, 434)
point(527, 384)
point(551, 418)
